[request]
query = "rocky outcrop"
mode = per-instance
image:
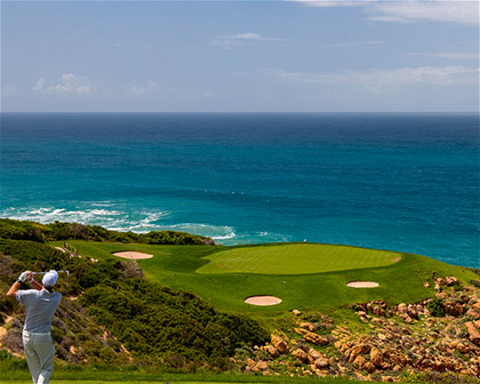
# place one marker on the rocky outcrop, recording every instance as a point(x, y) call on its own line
point(395, 341)
point(280, 344)
point(453, 308)
point(315, 339)
point(473, 333)
point(300, 355)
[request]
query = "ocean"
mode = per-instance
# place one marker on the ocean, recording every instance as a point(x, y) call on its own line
point(402, 182)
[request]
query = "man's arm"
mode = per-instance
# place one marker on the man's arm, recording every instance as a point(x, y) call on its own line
point(12, 292)
point(34, 284)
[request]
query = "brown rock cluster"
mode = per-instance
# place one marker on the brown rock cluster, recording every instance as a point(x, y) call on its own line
point(397, 340)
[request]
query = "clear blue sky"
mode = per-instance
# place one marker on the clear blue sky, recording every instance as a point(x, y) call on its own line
point(246, 56)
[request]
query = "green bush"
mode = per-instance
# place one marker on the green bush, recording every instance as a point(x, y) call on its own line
point(59, 231)
point(153, 321)
point(4, 355)
point(435, 306)
point(475, 283)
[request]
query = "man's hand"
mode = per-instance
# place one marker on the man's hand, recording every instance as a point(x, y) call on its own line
point(23, 276)
point(30, 276)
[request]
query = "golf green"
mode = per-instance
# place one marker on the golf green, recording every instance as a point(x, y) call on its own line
point(291, 259)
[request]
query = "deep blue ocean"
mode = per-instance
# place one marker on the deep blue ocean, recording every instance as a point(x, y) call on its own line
point(403, 182)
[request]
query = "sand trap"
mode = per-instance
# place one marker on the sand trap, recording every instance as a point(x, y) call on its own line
point(132, 255)
point(362, 284)
point(263, 300)
point(61, 249)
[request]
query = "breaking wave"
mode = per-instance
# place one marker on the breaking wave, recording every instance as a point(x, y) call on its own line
point(117, 219)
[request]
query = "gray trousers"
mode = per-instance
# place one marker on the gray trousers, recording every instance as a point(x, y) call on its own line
point(40, 352)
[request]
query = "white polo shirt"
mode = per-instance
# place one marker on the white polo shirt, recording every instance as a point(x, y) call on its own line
point(40, 306)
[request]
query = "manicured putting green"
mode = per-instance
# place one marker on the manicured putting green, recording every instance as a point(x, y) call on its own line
point(293, 259)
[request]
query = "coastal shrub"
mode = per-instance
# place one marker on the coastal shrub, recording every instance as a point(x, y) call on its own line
point(154, 321)
point(61, 231)
point(34, 254)
point(435, 306)
point(433, 377)
point(475, 283)
point(458, 287)
point(4, 355)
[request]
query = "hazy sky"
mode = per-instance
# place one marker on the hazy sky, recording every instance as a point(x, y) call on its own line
point(234, 56)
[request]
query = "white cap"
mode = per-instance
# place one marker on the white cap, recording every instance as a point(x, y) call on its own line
point(50, 278)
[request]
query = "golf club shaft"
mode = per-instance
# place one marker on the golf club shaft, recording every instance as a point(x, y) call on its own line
point(43, 273)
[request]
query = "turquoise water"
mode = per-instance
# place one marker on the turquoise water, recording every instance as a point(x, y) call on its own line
point(387, 181)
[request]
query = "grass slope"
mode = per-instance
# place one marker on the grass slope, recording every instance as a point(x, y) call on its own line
point(294, 259)
point(99, 377)
point(177, 266)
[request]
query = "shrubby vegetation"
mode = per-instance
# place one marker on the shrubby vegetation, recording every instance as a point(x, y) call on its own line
point(58, 231)
point(168, 328)
point(118, 310)
point(435, 306)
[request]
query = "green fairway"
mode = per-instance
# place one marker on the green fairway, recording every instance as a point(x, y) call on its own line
point(292, 259)
point(177, 266)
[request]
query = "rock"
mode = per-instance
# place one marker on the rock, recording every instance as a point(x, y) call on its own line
point(405, 317)
point(453, 308)
point(398, 359)
point(412, 311)
point(359, 362)
point(280, 344)
point(321, 373)
point(386, 365)
point(387, 379)
point(321, 363)
point(369, 367)
point(296, 312)
point(272, 351)
point(402, 308)
point(451, 280)
point(474, 335)
point(356, 350)
point(465, 298)
point(376, 357)
point(378, 311)
point(261, 365)
point(300, 355)
point(315, 339)
point(364, 319)
point(314, 355)
point(301, 331)
point(251, 363)
point(311, 327)
point(473, 313)
point(382, 337)
point(426, 284)
point(463, 348)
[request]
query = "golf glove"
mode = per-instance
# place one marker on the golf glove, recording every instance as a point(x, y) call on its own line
point(23, 277)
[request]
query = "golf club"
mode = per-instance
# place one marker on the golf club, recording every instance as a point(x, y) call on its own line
point(43, 273)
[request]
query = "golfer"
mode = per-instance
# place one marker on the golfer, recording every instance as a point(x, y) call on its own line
point(41, 304)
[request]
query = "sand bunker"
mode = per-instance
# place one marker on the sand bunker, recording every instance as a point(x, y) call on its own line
point(362, 284)
point(263, 300)
point(132, 255)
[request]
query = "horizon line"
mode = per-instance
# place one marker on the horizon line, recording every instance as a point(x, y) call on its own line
point(239, 112)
